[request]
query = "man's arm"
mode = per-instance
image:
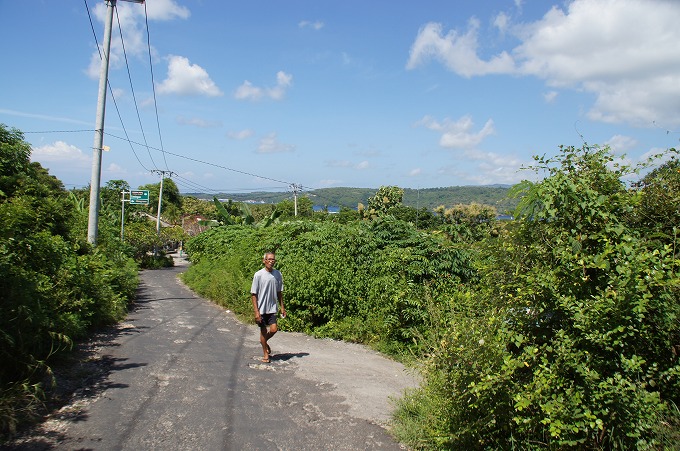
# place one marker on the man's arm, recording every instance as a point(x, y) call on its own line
point(258, 318)
point(283, 309)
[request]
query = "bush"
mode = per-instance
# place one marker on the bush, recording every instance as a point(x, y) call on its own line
point(359, 281)
point(569, 340)
point(55, 287)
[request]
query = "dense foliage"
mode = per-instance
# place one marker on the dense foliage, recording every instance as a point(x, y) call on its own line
point(54, 286)
point(363, 281)
point(560, 329)
point(571, 337)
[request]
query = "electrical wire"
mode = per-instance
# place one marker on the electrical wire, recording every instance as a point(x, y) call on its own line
point(153, 84)
point(193, 185)
point(111, 92)
point(164, 152)
point(132, 89)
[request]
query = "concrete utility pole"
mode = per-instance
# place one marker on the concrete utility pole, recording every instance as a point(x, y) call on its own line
point(93, 218)
point(122, 213)
point(295, 188)
point(160, 198)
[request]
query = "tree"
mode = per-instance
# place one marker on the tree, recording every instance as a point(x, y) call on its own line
point(468, 223)
point(305, 208)
point(571, 338)
point(171, 207)
point(14, 159)
point(385, 198)
point(659, 204)
point(55, 286)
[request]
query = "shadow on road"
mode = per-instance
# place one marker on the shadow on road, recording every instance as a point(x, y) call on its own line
point(285, 356)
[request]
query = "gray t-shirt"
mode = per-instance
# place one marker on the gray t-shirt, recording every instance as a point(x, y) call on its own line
point(266, 286)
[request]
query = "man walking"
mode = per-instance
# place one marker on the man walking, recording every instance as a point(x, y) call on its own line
point(266, 290)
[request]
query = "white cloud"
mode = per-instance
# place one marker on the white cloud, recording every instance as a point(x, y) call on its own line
point(185, 78)
point(271, 144)
point(624, 52)
point(329, 182)
point(458, 134)
point(550, 96)
point(131, 17)
point(458, 52)
point(241, 134)
point(166, 10)
point(621, 144)
point(61, 152)
point(247, 91)
point(113, 169)
point(197, 122)
point(415, 172)
point(316, 25)
point(501, 22)
point(484, 168)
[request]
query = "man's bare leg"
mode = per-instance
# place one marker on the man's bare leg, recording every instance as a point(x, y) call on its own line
point(265, 335)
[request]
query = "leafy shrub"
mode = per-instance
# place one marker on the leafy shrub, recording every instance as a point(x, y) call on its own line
point(359, 281)
point(569, 341)
point(54, 286)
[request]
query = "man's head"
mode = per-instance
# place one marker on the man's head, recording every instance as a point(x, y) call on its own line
point(269, 260)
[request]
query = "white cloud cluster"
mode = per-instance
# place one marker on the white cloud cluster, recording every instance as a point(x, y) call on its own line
point(248, 91)
point(197, 122)
point(62, 158)
point(484, 168)
point(241, 134)
point(624, 52)
point(185, 78)
point(316, 25)
point(61, 152)
point(458, 134)
point(271, 144)
point(131, 17)
point(458, 52)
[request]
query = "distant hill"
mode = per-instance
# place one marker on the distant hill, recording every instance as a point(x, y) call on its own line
point(428, 198)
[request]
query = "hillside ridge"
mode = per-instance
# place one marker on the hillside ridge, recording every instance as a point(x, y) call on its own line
point(348, 197)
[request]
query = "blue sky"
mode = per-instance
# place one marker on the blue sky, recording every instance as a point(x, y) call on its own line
point(264, 94)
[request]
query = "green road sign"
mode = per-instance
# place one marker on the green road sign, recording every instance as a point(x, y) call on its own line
point(140, 197)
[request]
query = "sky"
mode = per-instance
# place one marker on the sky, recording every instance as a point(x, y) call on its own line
point(232, 96)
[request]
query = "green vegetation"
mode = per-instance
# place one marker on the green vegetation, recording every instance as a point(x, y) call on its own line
point(55, 287)
point(427, 198)
point(558, 330)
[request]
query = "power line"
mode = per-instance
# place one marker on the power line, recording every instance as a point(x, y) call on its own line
point(111, 90)
point(132, 88)
point(211, 164)
point(194, 185)
point(153, 83)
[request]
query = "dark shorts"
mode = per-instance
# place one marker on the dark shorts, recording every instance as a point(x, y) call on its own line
point(267, 319)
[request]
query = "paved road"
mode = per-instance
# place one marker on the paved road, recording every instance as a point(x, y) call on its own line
point(184, 374)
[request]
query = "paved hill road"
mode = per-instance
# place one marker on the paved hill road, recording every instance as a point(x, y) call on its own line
point(182, 373)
